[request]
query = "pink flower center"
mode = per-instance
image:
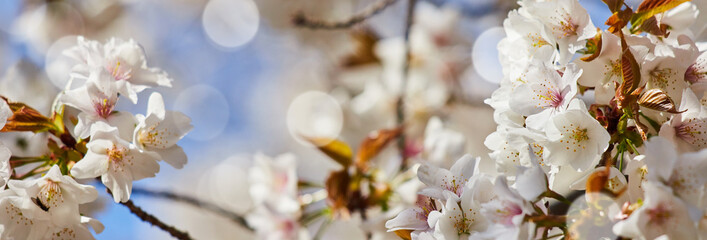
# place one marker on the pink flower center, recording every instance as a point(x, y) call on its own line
point(549, 97)
point(660, 214)
point(696, 72)
point(693, 131)
point(103, 107)
point(509, 210)
point(426, 206)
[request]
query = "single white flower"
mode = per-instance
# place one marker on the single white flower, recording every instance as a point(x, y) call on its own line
point(96, 101)
point(55, 194)
point(125, 61)
point(545, 93)
point(160, 131)
point(661, 214)
point(688, 130)
point(460, 219)
point(680, 18)
point(683, 173)
point(21, 218)
point(566, 20)
point(508, 207)
point(446, 184)
point(575, 138)
point(274, 183)
point(526, 39)
point(665, 67)
point(116, 161)
point(506, 213)
point(442, 145)
point(604, 72)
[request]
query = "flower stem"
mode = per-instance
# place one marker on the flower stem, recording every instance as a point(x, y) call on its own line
point(194, 202)
point(301, 20)
point(400, 104)
point(146, 217)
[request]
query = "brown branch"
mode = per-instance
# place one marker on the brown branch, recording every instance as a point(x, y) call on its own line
point(301, 20)
point(146, 217)
point(194, 202)
point(400, 107)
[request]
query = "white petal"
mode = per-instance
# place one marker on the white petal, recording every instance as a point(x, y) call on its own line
point(407, 219)
point(174, 155)
point(92, 165)
point(155, 105)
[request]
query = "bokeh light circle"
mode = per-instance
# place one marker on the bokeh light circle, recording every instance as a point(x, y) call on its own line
point(228, 183)
point(207, 108)
point(484, 54)
point(592, 216)
point(314, 114)
point(41, 26)
point(57, 65)
point(231, 23)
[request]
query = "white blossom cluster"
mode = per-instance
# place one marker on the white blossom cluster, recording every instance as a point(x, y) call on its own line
point(463, 202)
point(118, 147)
point(548, 134)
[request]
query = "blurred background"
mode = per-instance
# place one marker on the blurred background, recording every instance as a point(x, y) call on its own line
point(251, 80)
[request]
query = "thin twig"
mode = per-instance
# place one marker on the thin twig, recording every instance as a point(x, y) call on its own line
point(194, 202)
point(400, 107)
point(301, 20)
point(146, 217)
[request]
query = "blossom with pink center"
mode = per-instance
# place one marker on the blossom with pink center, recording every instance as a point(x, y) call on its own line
point(96, 100)
point(274, 183)
point(544, 93)
point(124, 61)
point(160, 130)
point(445, 184)
point(116, 161)
point(661, 214)
point(688, 130)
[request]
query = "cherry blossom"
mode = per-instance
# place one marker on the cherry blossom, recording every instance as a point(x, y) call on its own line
point(681, 172)
point(274, 182)
point(446, 184)
point(54, 197)
point(124, 61)
point(97, 100)
point(575, 138)
point(160, 130)
point(566, 20)
point(661, 214)
point(116, 161)
point(544, 93)
point(688, 130)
